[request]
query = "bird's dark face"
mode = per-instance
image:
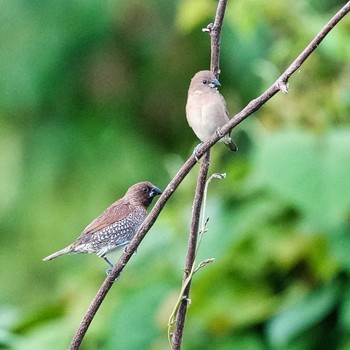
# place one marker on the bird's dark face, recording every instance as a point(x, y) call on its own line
point(142, 193)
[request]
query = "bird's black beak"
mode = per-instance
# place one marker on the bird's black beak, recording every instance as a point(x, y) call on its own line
point(214, 83)
point(155, 191)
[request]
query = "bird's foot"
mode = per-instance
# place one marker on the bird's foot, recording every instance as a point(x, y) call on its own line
point(219, 133)
point(194, 153)
point(126, 251)
point(109, 270)
point(108, 273)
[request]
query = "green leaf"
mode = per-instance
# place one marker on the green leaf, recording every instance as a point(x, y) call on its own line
point(303, 315)
point(309, 171)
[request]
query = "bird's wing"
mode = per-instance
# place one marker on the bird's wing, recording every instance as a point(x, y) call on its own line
point(114, 213)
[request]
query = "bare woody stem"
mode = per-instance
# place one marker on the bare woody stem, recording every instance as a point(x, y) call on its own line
point(281, 84)
point(254, 105)
point(215, 35)
point(191, 251)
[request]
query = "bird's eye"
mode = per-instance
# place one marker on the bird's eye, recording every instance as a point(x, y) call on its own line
point(145, 189)
point(205, 81)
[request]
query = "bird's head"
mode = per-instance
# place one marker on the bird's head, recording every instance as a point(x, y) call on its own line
point(142, 193)
point(204, 82)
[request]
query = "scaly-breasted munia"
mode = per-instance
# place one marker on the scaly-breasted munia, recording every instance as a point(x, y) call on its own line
point(116, 226)
point(206, 108)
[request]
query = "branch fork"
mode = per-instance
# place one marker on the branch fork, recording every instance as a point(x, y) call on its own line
point(280, 85)
point(208, 29)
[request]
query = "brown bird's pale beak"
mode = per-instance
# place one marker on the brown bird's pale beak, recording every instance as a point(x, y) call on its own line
point(155, 191)
point(214, 83)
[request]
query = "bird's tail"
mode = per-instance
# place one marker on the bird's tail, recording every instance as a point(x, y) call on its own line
point(231, 145)
point(59, 253)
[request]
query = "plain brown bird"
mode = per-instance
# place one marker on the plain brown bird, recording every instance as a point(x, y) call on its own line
point(206, 108)
point(116, 226)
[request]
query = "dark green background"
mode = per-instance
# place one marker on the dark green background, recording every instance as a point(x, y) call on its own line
point(92, 97)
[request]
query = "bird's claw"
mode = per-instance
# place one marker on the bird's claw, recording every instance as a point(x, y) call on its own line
point(194, 153)
point(218, 132)
point(126, 251)
point(109, 270)
point(108, 273)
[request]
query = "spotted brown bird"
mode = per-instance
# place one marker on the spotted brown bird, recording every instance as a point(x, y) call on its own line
point(116, 226)
point(206, 110)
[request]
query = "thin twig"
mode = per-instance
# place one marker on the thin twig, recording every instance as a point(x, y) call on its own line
point(205, 219)
point(254, 105)
point(281, 84)
point(191, 252)
point(215, 36)
point(195, 238)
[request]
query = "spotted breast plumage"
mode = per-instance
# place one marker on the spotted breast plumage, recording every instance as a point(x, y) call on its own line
point(116, 226)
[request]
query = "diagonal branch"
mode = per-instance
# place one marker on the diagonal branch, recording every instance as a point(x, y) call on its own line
point(281, 84)
point(254, 105)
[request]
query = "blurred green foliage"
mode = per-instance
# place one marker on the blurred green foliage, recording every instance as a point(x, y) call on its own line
point(92, 100)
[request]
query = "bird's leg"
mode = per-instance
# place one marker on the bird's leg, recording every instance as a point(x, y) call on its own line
point(108, 261)
point(108, 271)
point(195, 151)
